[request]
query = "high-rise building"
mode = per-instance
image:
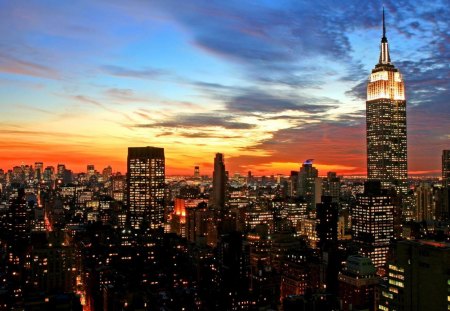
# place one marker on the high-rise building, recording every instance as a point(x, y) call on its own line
point(60, 170)
point(327, 214)
point(107, 173)
point(332, 186)
point(418, 277)
point(307, 184)
point(38, 170)
point(373, 222)
point(196, 172)
point(327, 222)
point(219, 182)
point(386, 123)
point(90, 171)
point(425, 206)
point(446, 168)
point(145, 186)
point(293, 184)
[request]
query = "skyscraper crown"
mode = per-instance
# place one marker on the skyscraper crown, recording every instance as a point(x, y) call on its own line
point(384, 51)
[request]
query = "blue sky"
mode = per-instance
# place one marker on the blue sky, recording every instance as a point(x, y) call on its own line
point(269, 83)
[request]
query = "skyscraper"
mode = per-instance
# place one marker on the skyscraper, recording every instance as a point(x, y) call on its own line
point(307, 184)
point(196, 172)
point(386, 123)
point(327, 222)
point(446, 168)
point(373, 222)
point(38, 170)
point(219, 182)
point(332, 186)
point(145, 186)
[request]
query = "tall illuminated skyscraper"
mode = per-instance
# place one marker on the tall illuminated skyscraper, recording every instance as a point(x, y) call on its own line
point(145, 186)
point(386, 123)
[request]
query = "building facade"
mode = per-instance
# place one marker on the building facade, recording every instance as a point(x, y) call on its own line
point(145, 186)
point(373, 223)
point(418, 277)
point(446, 168)
point(309, 185)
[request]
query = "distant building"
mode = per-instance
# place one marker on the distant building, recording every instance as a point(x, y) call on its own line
point(145, 186)
point(38, 171)
point(425, 207)
point(418, 277)
point(219, 182)
point(293, 184)
point(332, 186)
point(107, 173)
point(90, 171)
point(196, 172)
point(446, 168)
point(308, 184)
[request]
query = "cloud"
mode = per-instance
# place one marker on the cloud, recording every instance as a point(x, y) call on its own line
point(14, 65)
point(146, 73)
point(259, 101)
point(199, 120)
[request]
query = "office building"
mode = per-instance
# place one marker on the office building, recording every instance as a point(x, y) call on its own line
point(425, 207)
point(386, 123)
point(196, 172)
point(373, 222)
point(418, 277)
point(145, 186)
point(327, 223)
point(332, 186)
point(446, 168)
point(308, 184)
point(38, 171)
point(219, 182)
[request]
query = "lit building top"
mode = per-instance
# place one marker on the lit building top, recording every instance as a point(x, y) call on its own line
point(385, 81)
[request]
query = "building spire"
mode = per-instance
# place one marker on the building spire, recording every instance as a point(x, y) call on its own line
point(384, 52)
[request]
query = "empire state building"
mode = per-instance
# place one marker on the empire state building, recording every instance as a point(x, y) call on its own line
point(386, 123)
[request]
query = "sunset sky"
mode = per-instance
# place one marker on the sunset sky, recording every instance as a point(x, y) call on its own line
point(267, 83)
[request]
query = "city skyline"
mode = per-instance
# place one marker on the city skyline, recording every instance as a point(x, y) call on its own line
point(283, 83)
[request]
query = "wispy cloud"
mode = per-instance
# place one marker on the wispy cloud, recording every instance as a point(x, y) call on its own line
point(141, 73)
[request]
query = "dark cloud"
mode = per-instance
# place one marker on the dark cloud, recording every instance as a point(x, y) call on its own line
point(259, 101)
point(205, 135)
point(198, 121)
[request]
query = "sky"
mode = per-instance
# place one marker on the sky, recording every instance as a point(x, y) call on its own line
point(268, 83)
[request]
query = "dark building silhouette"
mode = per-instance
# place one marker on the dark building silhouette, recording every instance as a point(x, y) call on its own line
point(219, 182)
